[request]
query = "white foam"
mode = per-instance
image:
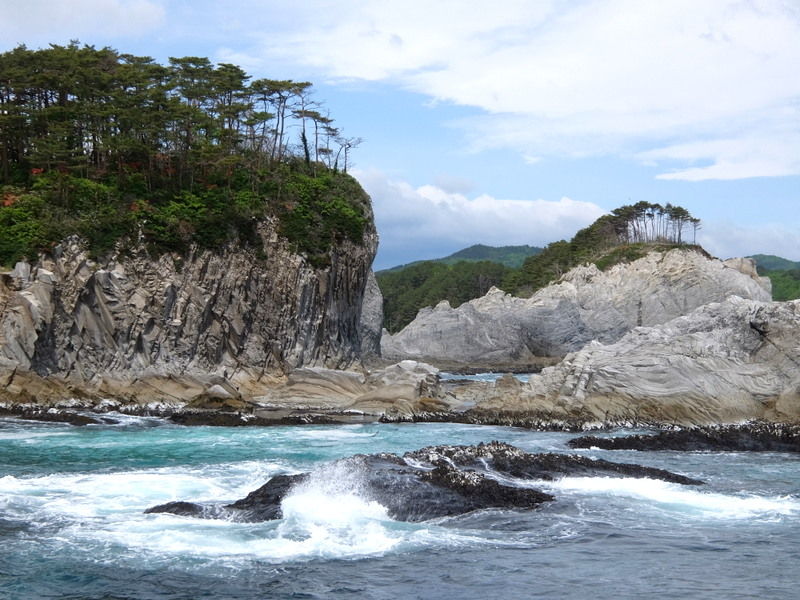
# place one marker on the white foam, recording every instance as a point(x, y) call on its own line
point(338, 434)
point(679, 499)
point(98, 494)
point(30, 436)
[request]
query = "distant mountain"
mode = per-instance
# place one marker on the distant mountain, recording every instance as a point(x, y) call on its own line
point(770, 262)
point(509, 256)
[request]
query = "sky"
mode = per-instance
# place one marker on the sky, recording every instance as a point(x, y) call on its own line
point(516, 121)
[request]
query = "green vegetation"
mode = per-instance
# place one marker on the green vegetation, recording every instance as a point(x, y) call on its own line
point(510, 256)
point(785, 284)
point(770, 262)
point(784, 274)
point(625, 235)
point(427, 283)
point(112, 146)
point(628, 233)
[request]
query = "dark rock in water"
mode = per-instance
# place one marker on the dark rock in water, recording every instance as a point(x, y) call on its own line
point(418, 492)
point(753, 437)
point(63, 416)
point(189, 509)
point(511, 461)
point(185, 509)
point(433, 482)
point(237, 419)
point(264, 504)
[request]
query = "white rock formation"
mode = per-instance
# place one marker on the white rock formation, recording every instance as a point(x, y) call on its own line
point(724, 362)
point(585, 304)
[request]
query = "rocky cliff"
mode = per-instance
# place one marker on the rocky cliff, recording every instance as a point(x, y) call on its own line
point(585, 304)
point(371, 324)
point(725, 362)
point(238, 314)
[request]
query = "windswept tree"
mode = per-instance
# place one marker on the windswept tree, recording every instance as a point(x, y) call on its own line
point(645, 222)
point(95, 112)
point(100, 143)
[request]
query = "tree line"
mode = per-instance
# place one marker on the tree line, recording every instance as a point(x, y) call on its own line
point(646, 222)
point(93, 112)
point(109, 145)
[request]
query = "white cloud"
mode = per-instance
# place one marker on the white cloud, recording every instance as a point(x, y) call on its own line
point(39, 22)
point(429, 222)
point(587, 78)
point(726, 240)
point(751, 155)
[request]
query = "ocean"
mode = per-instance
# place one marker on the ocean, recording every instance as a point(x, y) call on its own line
point(72, 523)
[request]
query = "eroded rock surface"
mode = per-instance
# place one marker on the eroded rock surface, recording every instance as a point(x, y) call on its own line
point(229, 314)
point(727, 362)
point(429, 483)
point(586, 304)
point(403, 388)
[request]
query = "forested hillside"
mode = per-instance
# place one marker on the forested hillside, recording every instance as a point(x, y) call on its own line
point(784, 274)
point(770, 262)
point(427, 283)
point(510, 256)
point(624, 235)
point(112, 146)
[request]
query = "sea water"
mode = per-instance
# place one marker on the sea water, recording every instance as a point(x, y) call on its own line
point(72, 522)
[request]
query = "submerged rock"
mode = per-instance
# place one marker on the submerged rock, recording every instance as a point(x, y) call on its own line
point(433, 482)
point(754, 437)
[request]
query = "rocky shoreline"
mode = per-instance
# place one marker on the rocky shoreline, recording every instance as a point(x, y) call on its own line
point(731, 361)
point(752, 436)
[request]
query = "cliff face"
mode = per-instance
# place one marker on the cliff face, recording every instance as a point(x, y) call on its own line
point(725, 362)
point(227, 313)
point(585, 305)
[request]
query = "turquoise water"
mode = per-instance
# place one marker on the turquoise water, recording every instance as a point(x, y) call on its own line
point(72, 522)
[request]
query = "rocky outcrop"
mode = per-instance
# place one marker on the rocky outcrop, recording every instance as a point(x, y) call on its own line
point(750, 437)
point(238, 315)
point(430, 483)
point(585, 304)
point(404, 388)
point(726, 362)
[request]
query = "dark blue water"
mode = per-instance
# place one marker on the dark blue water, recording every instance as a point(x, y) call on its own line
point(72, 526)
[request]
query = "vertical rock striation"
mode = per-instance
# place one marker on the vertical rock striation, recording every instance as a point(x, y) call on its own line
point(236, 312)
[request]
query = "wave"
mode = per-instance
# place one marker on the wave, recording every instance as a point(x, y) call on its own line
point(678, 499)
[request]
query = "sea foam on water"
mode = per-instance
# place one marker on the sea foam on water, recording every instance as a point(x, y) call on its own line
point(681, 500)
